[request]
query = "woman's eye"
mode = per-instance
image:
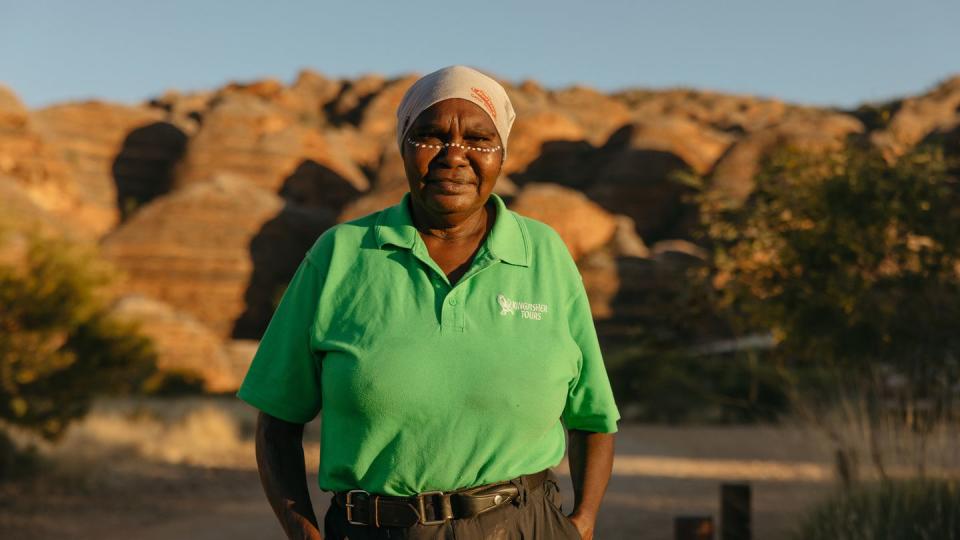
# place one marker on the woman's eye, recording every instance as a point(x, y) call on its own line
point(479, 140)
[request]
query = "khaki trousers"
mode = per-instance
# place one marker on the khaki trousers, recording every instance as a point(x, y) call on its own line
point(533, 515)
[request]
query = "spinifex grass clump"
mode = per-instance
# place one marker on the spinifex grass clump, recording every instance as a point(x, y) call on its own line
point(927, 509)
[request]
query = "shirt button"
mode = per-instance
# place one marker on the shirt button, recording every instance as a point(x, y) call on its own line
point(452, 301)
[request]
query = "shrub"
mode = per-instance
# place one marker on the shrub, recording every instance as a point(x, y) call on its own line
point(891, 510)
point(676, 386)
point(59, 347)
point(853, 264)
point(666, 359)
point(846, 258)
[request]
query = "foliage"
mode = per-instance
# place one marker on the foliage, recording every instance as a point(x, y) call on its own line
point(853, 264)
point(847, 259)
point(174, 382)
point(850, 263)
point(660, 373)
point(59, 347)
point(893, 510)
point(17, 462)
point(877, 116)
point(678, 387)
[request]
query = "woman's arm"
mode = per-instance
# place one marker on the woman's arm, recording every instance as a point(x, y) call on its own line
point(283, 475)
point(591, 462)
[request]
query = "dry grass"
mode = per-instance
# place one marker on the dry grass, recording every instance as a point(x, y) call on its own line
point(896, 441)
point(130, 434)
point(218, 432)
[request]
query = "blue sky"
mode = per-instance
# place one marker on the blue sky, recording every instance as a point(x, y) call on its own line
point(814, 51)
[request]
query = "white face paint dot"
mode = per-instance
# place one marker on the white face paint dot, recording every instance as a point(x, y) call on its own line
point(455, 145)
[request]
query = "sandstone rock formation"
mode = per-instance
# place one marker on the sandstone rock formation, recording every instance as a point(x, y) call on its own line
point(18, 215)
point(377, 199)
point(207, 200)
point(313, 92)
point(39, 170)
point(184, 345)
point(204, 242)
point(378, 121)
point(90, 139)
point(601, 279)
point(583, 225)
point(240, 353)
point(598, 114)
point(733, 175)
point(19, 212)
point(246, 135)
point(626, 242)
point(916, 117)
point(531, 132)
point(349, 104)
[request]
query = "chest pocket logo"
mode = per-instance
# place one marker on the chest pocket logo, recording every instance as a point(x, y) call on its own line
point(528, 310)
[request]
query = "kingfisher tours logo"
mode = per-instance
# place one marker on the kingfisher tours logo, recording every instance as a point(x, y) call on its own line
point(528, 310)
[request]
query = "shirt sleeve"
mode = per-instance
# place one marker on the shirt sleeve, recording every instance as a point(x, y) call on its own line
point(284, 377)
point(590, 404)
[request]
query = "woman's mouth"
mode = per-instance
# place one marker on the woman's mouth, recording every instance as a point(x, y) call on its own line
point(450, 186)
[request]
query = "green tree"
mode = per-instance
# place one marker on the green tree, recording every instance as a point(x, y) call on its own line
point(853, 264)
point(59, 347)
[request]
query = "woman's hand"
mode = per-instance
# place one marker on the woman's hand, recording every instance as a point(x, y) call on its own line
point(591, 463)
point(584, 524)
point(283, 475)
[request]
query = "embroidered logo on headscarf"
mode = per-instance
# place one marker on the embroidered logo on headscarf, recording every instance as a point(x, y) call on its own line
point(479, 94)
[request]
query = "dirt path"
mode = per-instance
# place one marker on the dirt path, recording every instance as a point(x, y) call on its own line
point(659, 473)
point(228, 505)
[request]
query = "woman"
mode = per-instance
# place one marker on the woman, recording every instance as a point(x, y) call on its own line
point(448, 342)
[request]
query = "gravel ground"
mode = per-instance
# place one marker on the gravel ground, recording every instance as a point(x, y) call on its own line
point(129, 471)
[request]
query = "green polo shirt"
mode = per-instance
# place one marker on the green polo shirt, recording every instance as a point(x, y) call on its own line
point(424, 385)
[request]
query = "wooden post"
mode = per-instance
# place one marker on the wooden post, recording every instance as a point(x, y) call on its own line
point(693, 528)
point(735, 512)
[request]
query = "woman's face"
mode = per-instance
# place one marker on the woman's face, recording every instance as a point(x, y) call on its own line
point(456, 178)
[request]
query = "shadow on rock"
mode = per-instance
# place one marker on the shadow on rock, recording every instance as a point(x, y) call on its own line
point(143, 170)
point(314, 196)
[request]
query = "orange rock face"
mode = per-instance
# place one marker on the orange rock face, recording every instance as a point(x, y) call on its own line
point(733, 174)
point(208, 200)
point(245, 135)
point(531, 132)
point(105, 145)
point(583, 225)
point(184, 345)
point(598, 114)
point(40, 171)
point(377, 199)
point(918, 116)
point(196, 243)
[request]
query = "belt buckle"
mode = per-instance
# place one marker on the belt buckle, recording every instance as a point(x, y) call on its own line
point(423, 509)
point(349, 505)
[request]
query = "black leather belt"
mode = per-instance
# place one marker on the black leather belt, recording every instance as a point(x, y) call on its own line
point(430, 507)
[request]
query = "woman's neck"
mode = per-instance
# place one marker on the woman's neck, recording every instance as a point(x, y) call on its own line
point(452, 227)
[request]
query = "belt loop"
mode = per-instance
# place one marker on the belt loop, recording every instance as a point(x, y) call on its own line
point(521, 483)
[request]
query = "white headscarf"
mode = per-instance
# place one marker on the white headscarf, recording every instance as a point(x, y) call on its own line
point(457, 82)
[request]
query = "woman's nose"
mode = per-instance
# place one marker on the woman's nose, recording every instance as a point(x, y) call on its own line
point(454, 154)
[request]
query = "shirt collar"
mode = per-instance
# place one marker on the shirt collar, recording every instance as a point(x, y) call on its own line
point(507, 240)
